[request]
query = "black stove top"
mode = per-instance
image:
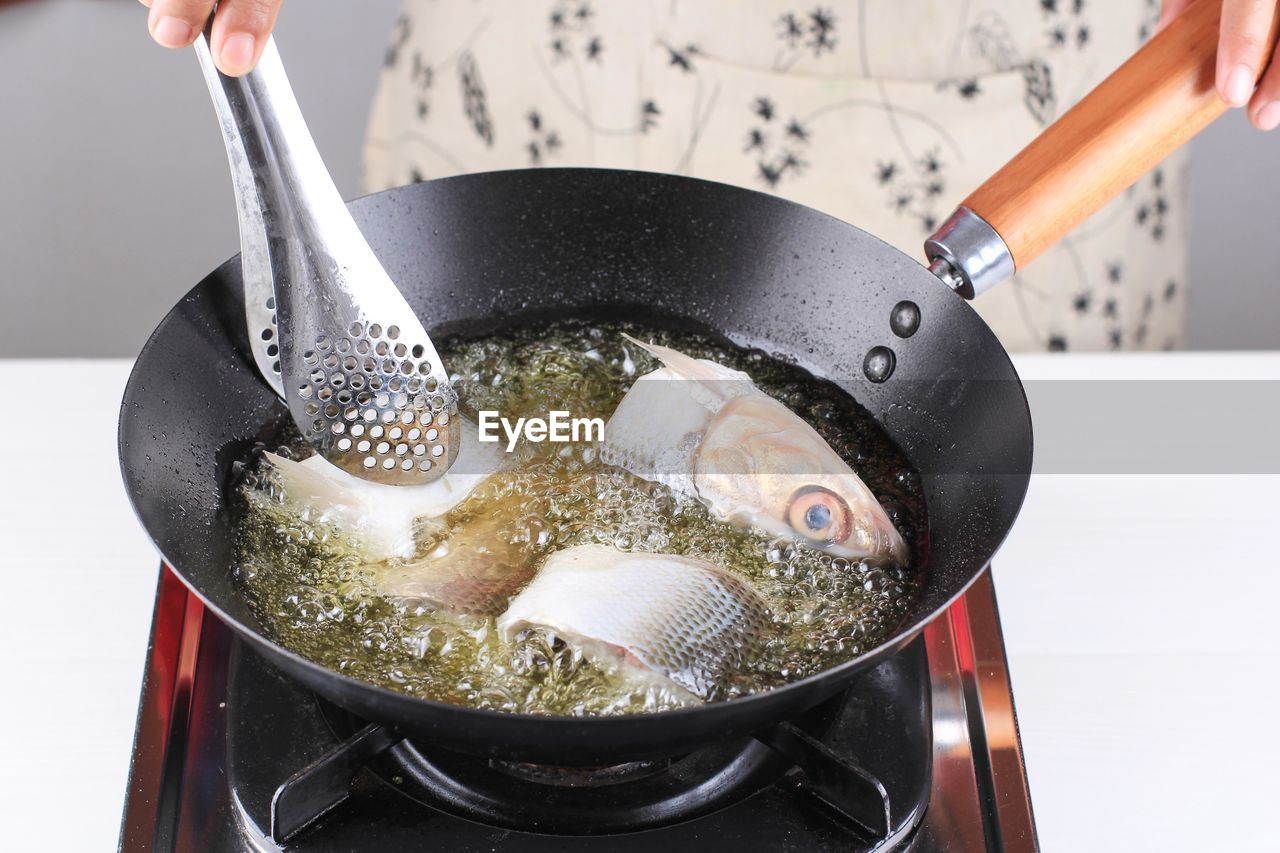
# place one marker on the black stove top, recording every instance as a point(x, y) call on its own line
point(919, 754)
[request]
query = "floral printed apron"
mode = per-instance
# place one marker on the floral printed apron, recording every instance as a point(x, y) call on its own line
point(884, 113)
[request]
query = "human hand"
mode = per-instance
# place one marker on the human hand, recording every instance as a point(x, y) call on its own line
point(240, 28)
point(1243, 51)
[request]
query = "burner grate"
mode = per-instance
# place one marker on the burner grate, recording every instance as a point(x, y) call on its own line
point(633, 797)
point(325, 783)
point(581, 777)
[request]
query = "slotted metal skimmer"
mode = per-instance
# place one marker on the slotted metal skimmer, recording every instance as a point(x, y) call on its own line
point(329, 329)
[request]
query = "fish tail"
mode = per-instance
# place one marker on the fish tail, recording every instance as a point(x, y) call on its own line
point(707, 373)
point(304, 484)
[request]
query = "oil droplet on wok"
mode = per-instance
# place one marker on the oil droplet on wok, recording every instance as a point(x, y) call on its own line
point(879, 364)
point(905, 318)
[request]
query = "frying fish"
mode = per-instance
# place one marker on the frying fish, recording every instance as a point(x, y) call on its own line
point(379, 517)
point(474, 568)
point(707, 431)
point(680, 622)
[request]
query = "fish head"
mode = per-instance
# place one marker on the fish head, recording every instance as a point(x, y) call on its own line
point(759, 464)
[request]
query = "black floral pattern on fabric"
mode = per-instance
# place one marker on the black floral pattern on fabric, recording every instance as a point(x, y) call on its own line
point(822, 28)
point(573, 32)
point(1114, 277)
point(791, 29)
point(1153, 207)
point(1039, 98)
point(916, 189)
point(811, 101)
point(423, 76)
point(543, 142)
point(473, 97)
point(776, 145)
point(399, 38)
point(682, 57)
point(811, 33)
point(1068, 25)
point(993, 42)
point(967, 88)
point(649, 114)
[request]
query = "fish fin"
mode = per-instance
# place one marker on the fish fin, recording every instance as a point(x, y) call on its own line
point(309, 482)
point(723, 383)
point(382, 528)
point(380, 516)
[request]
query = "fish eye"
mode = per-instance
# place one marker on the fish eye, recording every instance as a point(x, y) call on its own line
point(817, 517)
point(818, 514)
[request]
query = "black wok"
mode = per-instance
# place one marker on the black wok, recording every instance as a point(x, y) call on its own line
point(749, 265)
point(477, 251)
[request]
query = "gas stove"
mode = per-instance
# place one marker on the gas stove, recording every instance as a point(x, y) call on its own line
point(920, 754)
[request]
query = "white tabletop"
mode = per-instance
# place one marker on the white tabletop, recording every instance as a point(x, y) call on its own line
point(1147, 713)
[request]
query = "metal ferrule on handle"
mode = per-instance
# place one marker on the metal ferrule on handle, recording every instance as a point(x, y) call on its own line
point(968, 255)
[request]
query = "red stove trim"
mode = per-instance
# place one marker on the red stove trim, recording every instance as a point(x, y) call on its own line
point(163, 711)
point(989, 673)
point(965, 644)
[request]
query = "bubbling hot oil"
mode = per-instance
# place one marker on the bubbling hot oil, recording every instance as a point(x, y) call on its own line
point(314, 593)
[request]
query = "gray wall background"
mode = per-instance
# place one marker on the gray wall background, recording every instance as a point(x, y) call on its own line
point(114, 197)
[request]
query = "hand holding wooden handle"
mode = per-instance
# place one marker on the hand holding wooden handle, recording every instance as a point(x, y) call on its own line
point(1143, 112)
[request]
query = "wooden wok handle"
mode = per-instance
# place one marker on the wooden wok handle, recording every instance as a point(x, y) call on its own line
point(1150, 106)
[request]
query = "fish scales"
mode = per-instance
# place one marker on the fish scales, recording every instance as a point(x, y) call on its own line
point(661, 615)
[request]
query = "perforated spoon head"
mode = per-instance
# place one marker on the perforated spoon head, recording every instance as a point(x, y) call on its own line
point(375, 402)
point(330, 331)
